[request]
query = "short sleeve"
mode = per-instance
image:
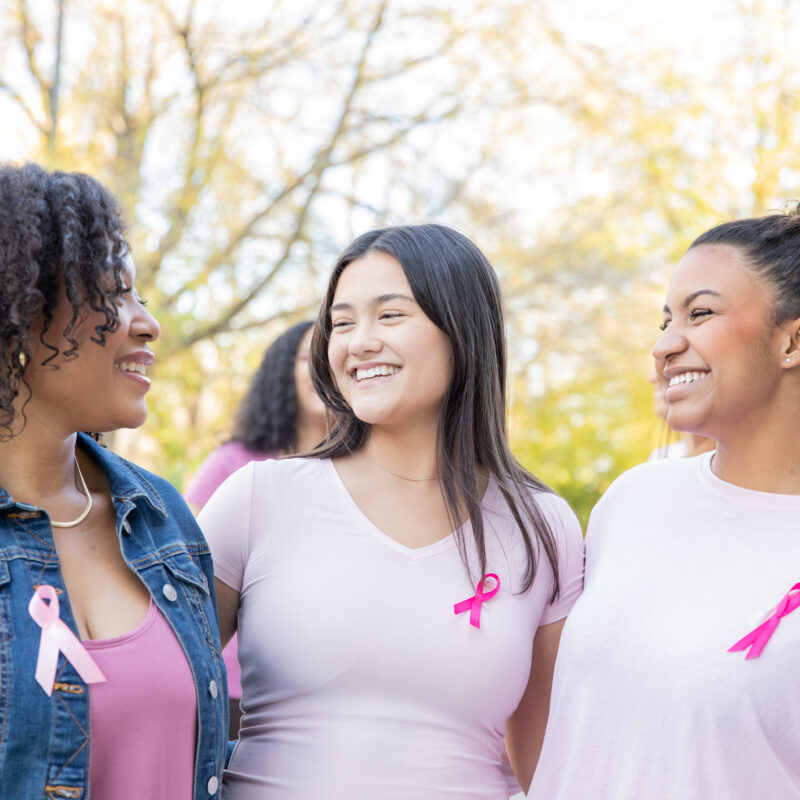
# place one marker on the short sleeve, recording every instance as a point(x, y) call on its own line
point(212, 472)
point(225, 521)
point(570, 546)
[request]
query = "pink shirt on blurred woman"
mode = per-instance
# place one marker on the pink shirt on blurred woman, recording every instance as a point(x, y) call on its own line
point(220, 464)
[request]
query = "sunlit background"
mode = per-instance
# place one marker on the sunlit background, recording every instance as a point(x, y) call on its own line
point(581, 144)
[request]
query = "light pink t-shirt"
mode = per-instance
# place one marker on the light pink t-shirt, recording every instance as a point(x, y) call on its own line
point(647, 702)
point(358, 679)
point(220, 464)
point(144, 717)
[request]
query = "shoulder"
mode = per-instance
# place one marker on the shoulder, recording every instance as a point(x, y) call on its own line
point(283, 470)
point(273, 478)
point(553, 507)
point(652, 477)
point(643, 497)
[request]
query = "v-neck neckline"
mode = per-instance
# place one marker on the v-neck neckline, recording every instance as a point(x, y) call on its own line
point(366, 524)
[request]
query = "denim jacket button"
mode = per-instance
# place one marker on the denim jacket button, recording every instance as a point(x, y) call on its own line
point(169, 592)
point(213, 690)
point(213, 785)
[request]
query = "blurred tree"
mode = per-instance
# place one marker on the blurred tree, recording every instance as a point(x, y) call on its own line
point(248, 148)
point(237, 145)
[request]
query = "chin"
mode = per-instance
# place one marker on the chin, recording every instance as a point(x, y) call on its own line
point(686, 423)
point(129, 420)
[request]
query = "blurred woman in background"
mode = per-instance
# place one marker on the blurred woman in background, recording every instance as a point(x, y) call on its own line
point(111, 675)
point(280, 414)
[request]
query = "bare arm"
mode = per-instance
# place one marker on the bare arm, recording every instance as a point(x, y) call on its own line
point(228, 608)
point(527, 724)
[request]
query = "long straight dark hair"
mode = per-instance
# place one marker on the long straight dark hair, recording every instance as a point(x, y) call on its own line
point(457, 289)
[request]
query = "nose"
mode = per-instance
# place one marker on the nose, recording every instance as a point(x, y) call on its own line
point(363, 340)
point(669, 344)
point(145, 326)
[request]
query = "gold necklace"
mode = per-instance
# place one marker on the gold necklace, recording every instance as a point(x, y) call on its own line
point(397, 474)
point(86, 510)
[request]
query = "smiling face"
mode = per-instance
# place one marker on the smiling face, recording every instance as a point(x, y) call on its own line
point(104, 387)
point(720, 351)
point(391, 364)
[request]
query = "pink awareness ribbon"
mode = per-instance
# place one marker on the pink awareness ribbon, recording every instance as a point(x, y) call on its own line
point(757, 639)
point(473, 604)
point(57, 636)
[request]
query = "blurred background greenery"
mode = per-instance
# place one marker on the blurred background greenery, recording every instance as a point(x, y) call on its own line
point(581, 144)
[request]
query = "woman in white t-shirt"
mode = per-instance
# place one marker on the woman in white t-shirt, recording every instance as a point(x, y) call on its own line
point(677, 673)
point(388, 588)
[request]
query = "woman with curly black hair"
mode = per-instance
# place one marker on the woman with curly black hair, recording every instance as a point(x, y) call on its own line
point(111, 675)
point(280, 414)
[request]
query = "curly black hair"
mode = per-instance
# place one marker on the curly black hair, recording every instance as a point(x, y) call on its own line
point(58, 232)
point(265, 420)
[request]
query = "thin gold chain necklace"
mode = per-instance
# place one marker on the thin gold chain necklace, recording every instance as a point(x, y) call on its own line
point(397, 474)
point(83, 488)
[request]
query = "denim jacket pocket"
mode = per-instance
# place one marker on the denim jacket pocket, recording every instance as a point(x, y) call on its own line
point(181, 565)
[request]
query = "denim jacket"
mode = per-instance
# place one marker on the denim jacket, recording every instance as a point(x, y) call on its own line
point(44, 741)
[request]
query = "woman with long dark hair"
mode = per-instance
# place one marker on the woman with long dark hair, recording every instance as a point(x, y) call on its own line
point(400, 592)
point(280, 414)
point(111, 676)
point(677, 676)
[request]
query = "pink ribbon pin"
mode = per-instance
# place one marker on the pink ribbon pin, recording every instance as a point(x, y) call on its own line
point(57, 636)
point(757, 639)
point(474, 603)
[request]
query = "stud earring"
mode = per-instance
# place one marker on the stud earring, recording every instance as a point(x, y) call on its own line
point(788, 360)
point(23, 359)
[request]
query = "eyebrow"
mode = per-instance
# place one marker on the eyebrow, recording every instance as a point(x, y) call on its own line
point(381, 298)
point(693, 296)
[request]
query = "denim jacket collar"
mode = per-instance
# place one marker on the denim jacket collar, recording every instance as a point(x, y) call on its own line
point(126, 483)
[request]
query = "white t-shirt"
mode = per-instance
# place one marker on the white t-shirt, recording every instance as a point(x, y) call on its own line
point(647, 702)
point(358, 679)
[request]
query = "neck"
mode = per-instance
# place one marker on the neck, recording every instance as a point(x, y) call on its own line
point(410, 453)
point(696, 444)
point(759, 467)
point(760, 450)
point(38, 467)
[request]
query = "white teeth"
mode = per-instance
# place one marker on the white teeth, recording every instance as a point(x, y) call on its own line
point(687, 377)
point(383, 369)
point(131, 366)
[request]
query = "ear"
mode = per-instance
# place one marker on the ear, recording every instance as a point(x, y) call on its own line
point(791, 349)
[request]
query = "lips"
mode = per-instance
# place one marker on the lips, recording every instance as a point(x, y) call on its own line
point(134, 365)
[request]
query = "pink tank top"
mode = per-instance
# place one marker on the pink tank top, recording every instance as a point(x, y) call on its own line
point(144, 718)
